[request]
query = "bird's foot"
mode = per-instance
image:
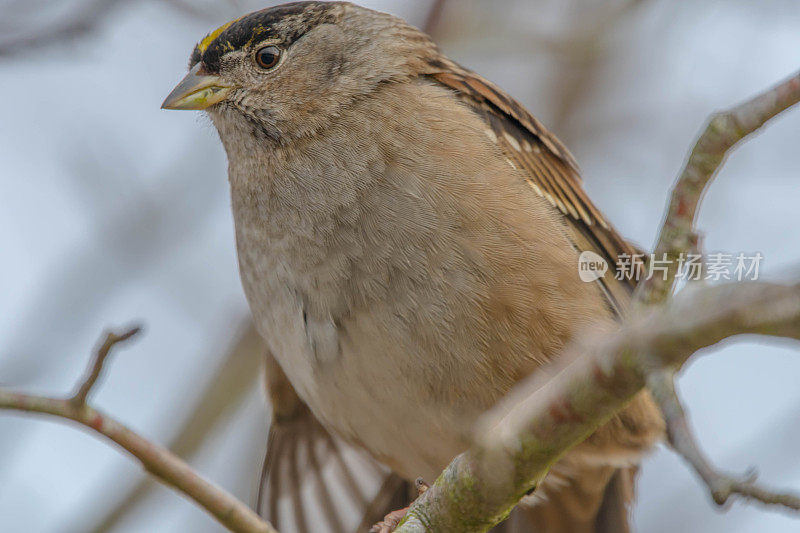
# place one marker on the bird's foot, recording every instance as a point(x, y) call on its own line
point(391, 520)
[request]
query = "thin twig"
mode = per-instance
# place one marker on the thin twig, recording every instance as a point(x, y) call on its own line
point(160, 462)
point(517, 441)
point(721, 486)
point(163, 464)
point(723, 132)
point(191, 9)
point(83, 20)
point(96, 367)
point(434, 17)
point(581, 55)
point(232, 381)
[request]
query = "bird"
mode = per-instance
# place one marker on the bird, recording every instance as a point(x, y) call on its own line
point(408, 238)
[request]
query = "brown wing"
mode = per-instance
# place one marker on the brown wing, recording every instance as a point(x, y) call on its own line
point(549, 167)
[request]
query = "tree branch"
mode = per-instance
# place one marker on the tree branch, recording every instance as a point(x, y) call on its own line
point(434, 17)
point(724, 131)
point(722, 486)
point(94, 370)
point(160, 462)
point(84, 20)
point(516, 442)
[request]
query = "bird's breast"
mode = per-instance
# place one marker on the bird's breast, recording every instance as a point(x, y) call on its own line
point(403, 274)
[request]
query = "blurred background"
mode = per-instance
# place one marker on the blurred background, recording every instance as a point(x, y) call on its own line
point(113, 211)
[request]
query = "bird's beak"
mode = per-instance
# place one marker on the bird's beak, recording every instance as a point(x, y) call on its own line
point(197, 90)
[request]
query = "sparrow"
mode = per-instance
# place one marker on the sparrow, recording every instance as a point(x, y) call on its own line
point(408, 239)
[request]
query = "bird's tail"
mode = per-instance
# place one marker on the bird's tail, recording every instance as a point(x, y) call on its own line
point(315, 482)
point(591, 489)
point(592, 500)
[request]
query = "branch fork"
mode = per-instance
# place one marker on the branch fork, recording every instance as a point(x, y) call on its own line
point(160, 462)
point(521, 438)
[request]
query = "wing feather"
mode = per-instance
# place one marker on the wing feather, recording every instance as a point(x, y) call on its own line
point(313, 481)
point(547, 164)
point(347, 483)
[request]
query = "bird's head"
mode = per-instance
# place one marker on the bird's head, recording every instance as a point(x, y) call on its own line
point(284, 72)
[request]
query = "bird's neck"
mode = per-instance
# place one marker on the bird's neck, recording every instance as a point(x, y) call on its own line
point(296, 212)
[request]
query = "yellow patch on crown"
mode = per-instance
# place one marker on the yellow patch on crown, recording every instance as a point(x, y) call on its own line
point(258, 30)
point(211, 37)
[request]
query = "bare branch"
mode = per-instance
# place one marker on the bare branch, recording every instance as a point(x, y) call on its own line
point(191, 9)
point(678, 236)
point(581, 55)
point(238, 373)
point(160, 462)
point(516, 443)
point(94, 370)
point(662, 387)
point(724, 131)
point(84, 20)
point(434, 17)
point(518, 440)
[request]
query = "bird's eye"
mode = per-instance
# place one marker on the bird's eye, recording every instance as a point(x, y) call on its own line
point(268, 56)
